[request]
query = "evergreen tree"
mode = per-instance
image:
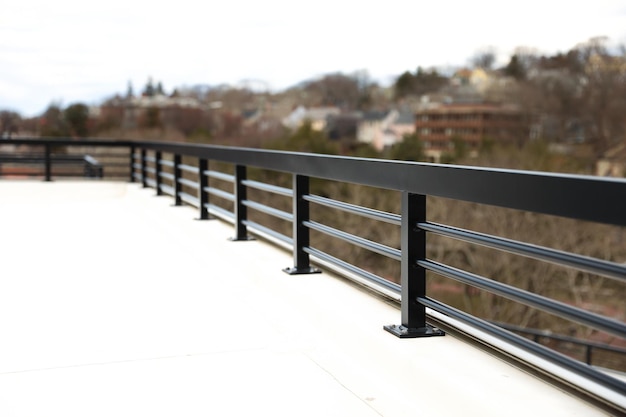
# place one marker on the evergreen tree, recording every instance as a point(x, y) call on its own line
point(77, 116)
point(422, 82)
point(410, 149)
point(149, 90)
point(515, 68)
point(53, 123)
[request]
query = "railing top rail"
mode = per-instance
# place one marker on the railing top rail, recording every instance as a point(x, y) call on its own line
point(580, 197)
point(67, 141)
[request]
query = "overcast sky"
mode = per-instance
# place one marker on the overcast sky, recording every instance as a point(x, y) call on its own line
point(69, 50)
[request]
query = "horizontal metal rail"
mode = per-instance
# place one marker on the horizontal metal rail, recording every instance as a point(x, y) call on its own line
point(582, 263)
point(220, 176)
point(40, 158)
point(270, 232)
point(287, 192)
point(188, 198)
point(561, 338)
point(355, 240)
point(362, 273)
point(219, 211)
point(539, 350)
point(120, 155)
point(150, 158)
point(90, 160)
point(280, 214)
point(167, 189)
point(167, 175)
point(354, 209)
point(76, 173)
point(189, 183)
point(151, 170)
point(167, 162)
point(220, 193)
point(530, 299)
point(152, 183)
point(188, 168)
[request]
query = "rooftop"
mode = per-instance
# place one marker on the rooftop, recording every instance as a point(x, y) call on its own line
point(116, 303)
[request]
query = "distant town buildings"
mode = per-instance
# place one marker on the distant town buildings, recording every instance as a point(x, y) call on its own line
point(449, 114)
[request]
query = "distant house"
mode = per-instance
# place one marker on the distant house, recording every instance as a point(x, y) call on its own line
point(317, 116)
point(385, 128)
point(295, 119)
point(402, 124)
point(477, 77)
point(468, 86)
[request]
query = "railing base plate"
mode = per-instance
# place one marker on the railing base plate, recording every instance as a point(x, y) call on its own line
point(406, 333)
point(241, 239)
point(302, 271)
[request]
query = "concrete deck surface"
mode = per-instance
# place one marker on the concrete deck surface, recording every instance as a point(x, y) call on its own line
point(115, 303)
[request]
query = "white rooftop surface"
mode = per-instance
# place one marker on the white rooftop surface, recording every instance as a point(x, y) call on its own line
point(115, 303)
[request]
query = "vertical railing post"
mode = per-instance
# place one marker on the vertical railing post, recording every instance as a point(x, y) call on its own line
point(203, 184)
point(588, 355)
point(413, 276)
point(158, 168)
point(241, 212)
point(48, 162)
point(144, 172)
point(177, 185)
point(132, 163)
point(300, 231)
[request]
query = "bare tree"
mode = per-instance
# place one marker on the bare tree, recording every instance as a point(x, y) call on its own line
point(9, 123)
point(603, 92)
point(336, 90)
point(484, 58)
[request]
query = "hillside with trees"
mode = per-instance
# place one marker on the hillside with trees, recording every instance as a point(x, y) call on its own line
point(576, 98)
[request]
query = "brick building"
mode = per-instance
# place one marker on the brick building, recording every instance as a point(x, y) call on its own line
point(470, 122)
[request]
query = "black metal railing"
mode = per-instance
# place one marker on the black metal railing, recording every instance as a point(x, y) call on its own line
point(72, 165)
point(194, 175)
point(65, 158)
point(588, 348)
